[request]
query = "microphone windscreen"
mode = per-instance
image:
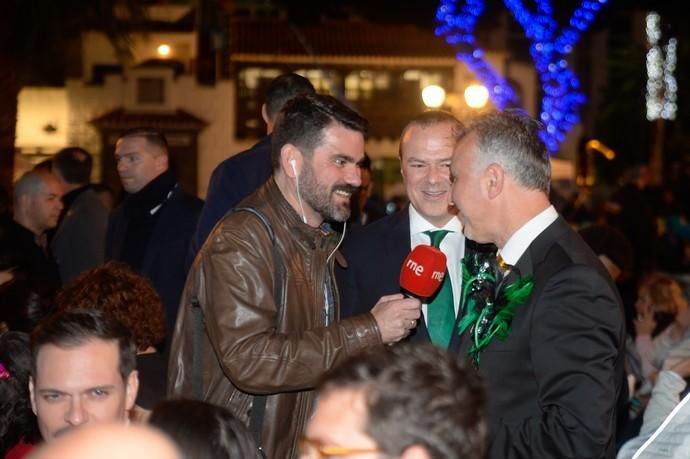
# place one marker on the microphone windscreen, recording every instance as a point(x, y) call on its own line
point(423, 271)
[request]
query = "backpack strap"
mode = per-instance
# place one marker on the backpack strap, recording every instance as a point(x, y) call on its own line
point(258, 411)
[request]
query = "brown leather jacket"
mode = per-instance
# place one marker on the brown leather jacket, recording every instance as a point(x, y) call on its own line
point(243, 351)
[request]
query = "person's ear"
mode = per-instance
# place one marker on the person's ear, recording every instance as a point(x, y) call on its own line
point(131, 389)
point(415, 452)
point(32, 395)
point(264, 114)
point(494, 179)
point(291, 161)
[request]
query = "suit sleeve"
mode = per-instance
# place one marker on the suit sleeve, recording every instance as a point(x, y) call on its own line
point(575, 338)
point(241, 316)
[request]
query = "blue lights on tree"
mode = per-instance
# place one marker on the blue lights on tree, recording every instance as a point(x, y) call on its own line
point(549, 48)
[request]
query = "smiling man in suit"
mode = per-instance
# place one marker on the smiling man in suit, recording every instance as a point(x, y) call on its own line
point(375, 253)
point(552, 383)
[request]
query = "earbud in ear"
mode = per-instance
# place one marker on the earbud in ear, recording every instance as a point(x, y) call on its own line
point(294, 167)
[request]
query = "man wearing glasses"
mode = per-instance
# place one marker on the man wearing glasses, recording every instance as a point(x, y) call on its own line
point(407, 401)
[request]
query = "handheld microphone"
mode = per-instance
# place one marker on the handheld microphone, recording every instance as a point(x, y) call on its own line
point(423, 271)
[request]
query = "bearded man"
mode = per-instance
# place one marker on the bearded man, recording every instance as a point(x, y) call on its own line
point(259, 324)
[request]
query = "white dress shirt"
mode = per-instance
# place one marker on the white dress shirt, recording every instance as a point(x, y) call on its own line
point(522, 238)
point(452, 245)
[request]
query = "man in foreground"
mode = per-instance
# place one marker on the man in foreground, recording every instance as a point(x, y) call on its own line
point(260, 313)
point(411, 401)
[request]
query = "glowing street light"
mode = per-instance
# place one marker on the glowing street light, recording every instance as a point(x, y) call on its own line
point(163, 50)
point(476, 96)
point(433, 96)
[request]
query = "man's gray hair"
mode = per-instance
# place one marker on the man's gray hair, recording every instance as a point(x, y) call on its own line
point(511, 139)
point(31, 183)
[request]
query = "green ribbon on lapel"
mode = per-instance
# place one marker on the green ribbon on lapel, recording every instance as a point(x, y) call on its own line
point(489, 313)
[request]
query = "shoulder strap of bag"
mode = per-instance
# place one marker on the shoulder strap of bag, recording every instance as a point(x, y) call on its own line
point(256, 418)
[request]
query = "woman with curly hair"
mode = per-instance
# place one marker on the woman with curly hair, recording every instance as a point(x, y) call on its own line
point(131, 299)
point(18, 428)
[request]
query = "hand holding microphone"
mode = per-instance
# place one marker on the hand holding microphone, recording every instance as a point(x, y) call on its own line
point(421, 275)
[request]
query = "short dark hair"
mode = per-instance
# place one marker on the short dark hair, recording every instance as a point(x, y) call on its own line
point(73, 328)
point(431, 118)
point(511, 138)
point(204, 431)
point(303, 119)
point(417, 395)
point(283, 88)
point(152, 136)
point(122, 293)
point(74, 164)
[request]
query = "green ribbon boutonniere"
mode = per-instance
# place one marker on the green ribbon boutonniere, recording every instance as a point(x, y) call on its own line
point(489, 308)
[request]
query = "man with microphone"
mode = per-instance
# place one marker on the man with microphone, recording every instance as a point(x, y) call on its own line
point(376, 253)
point(259, 322)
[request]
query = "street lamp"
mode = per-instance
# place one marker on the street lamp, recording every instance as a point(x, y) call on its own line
point(476, 96)
point(433, 96)
point(163, 50)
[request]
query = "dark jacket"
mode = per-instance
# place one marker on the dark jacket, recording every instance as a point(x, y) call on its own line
point(246, 347)
point(375, 254)
point(233, 180)
point(552, 385)
point(164, 255)
point(79, 241)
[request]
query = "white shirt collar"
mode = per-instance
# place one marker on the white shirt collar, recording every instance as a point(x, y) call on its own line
point(522, 238)
point(419, 224)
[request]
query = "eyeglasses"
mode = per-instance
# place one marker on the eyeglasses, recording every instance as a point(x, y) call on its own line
point(314, 449)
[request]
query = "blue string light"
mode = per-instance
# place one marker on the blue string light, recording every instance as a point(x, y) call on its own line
point(549, 50)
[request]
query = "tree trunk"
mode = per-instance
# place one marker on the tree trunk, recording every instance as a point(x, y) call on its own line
point(9, 93)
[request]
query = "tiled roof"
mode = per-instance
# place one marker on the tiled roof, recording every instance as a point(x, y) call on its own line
point(335, 38)
point(121, 119)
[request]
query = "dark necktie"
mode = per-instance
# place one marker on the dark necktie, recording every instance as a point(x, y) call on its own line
point(441, 311)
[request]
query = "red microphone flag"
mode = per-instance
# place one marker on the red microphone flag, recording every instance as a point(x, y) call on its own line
point(423, 271)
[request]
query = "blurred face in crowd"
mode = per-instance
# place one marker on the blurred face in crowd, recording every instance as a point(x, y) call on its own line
point(331, 175)
point(426, 153)
point(80, 385)
point(138, 162)
point(337, 427)
point(44, 206)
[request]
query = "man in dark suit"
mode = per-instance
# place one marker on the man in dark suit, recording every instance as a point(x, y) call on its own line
point(375, 252)
point(552, 383)
point(242, 174)
point(152, 229)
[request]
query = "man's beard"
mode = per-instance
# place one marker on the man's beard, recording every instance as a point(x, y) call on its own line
point(319, 197)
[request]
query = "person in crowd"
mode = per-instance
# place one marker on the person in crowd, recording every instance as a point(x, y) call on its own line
point(18, 428)
point(204, 431)
point(83, 371)
point(673, 426)
point(242, 174)
point(111, 441)
point(662, 323)
point(548, 335)
point(131, 299)
point(260, 312)
point(23, 240)
point(22, 306)
point(376, 253)
point(366, 206)
point(106, 194)
point(412, 401)
point(79, 241)
point(152, 229)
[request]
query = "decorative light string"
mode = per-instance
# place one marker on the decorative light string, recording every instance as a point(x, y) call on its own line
point(549, 50)
point(662, 87)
